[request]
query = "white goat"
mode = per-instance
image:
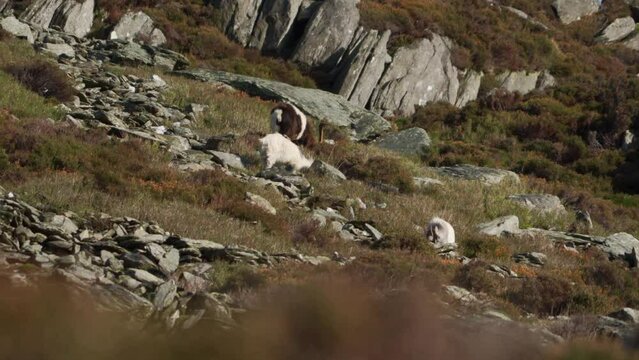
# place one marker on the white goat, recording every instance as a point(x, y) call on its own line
point(440, 232)
point(277, 148)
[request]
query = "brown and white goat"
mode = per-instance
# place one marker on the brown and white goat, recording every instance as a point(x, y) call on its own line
point(289, 121)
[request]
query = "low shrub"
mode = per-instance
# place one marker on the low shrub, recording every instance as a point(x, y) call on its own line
point(543, 295)
point(543, 168)
point(43, 78)
point(615, 279)
point(482, 246)
point(554, 295)
point(379, 169)
point(310, 232)
point(626, 178)
point(4, 35)
point(475, 277)
point(235, 277)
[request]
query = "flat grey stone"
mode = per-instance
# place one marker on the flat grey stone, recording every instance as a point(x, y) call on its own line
point(501, 226)
point(488, 176)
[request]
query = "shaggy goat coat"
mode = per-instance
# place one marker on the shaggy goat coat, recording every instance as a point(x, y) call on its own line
point(289, 121)
point(277, 148)
point(440, 232)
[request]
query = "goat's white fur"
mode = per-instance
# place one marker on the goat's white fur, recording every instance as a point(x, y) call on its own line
point(303, 122)
point(277, 148)
point(276, 120)
point(440, 232)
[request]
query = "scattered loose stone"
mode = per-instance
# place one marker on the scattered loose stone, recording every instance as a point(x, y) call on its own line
point(261, 203)
point(487, 176)
point(164, 295)
point(460, 294)
point(145, 277)
point(531, 258)
point(327, 170)
point(628, 315)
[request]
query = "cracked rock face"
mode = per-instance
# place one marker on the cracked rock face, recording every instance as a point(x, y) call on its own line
point(418, 74)
point(328, 34)
point(274, 24)
point(72, 16)
point(363, 65)
point(238, 18)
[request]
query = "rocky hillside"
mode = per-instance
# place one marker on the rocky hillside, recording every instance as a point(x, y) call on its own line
point(135, 214)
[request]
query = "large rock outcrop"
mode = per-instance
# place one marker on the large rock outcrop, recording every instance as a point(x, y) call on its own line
point(363, 66)
point(328, 34)
point(320, 104)
point(273, 25)
point(572, 10)
point(138, 26)
point(73, 16)
point(411, 142)
point(418, 74)
point(325, 36)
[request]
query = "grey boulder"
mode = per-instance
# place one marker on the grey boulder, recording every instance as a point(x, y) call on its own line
point(328, 170)
point(518, 81)
point(139, 26)
point(617, 30)
point(628, 315)
point(632, 42)
point(572, 10)
point(545, 203)
point(16, 27)
point(59, 50)
point(260, 203)
point(620, 245)
point(531, 258)
point(413, 141)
